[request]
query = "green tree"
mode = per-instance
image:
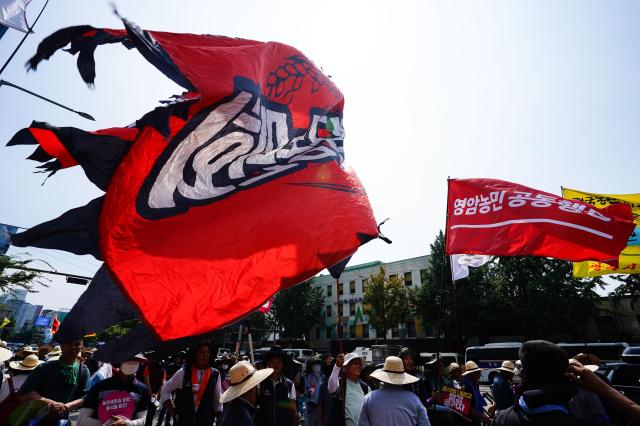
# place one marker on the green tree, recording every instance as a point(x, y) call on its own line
point(296, 310)
point(117, 330)
point(386, 302)
point(13, 275)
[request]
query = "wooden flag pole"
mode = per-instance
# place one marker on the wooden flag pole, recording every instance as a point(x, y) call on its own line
point(23, 38)
point(339, 326)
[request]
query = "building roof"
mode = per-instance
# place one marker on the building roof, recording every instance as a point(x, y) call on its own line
point(378, 263)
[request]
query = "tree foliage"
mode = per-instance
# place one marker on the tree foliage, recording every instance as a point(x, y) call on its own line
point(533, 297)
point(386, 302)
point(117, 330)
point(13, 277)
point(296, 310)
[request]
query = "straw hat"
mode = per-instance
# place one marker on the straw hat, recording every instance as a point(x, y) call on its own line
point(508, 367)
point(452, 367)
point(470, 367)
point(5, 355)
point(243, 377)
point(57, 350)
point(26, 350)
point(591, 367)
point(29, 363)
point(393, 372)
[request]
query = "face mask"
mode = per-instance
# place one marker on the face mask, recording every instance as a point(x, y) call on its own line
point(129, 368)
point(225, 367)
point(317, 368)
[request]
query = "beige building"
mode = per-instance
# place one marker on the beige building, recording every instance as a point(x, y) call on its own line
point(355, 324)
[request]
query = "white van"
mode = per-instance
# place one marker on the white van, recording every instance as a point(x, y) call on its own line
point(302, 355)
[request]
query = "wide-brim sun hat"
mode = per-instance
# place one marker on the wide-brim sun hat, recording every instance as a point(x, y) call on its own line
point(243, 377)
point(26, 351)
point(470, 367)
point(508, 366)
point(591, 367)
point(29, 363)
point(5, 355)
point(393, 372)
point(452, 367)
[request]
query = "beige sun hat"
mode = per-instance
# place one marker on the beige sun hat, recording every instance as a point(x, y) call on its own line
point(508, 366)
point(26, 350)
point(470, 367)
point(452, 367)
point(5, 355)
point(591, 367)
point(393, 372)
point(29, 363)
point(57, 350)
point(242, 377)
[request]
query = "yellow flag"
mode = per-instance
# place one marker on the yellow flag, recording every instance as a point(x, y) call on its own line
point(629, 261)
point(4, 322)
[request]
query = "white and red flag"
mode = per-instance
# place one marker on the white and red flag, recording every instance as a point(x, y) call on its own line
point(495, 217)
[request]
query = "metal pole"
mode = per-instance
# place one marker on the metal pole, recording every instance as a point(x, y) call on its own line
point(239, 339)
point(250, 339)
point(22, 268)
point(339, 326)
point(15, 86)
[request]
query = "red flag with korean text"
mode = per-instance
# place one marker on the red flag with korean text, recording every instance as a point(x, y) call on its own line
point(490, 216)
point(230, 192)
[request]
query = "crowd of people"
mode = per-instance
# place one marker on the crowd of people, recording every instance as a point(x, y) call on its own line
point(194, 388)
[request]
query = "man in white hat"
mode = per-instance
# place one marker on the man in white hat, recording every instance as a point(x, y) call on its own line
point(471, 384)
point(392, 404)
point(347, 388)
point(502, 388)
point(18, 373)
point(240, 398)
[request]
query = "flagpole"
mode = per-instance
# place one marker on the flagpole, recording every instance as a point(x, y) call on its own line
point(339, 326)
point(444, 261)
point(23, 38)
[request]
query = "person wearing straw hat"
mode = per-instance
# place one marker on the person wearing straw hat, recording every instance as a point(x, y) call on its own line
point(502, 388)
point(410, 360)
point(54, 354)
point(454, 375)
point(18, 373)
point(26, 351)
point(471, 384)
point(393, 404)
point(241, 396)
point(61, 384)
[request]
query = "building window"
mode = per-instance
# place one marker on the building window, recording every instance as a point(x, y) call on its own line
point(411, 328)
point(340, 292)
point(329, 290)
point(365, 284)
point(423, 276)
point(408, 281)
point(317, 332)
point(352, 287)
point(328, 311)
point(328, 331)
point(352, 331)
point(365, 331)
point(391, 276)
point(352, 309)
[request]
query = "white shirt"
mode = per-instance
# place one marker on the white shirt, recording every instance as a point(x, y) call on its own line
point(176, 381)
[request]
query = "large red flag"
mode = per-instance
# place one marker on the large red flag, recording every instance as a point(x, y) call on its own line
point(230, 193)
point(489, 216)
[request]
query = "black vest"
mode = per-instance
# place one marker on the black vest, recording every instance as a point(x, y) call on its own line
point(274, 404)
point(186, 404)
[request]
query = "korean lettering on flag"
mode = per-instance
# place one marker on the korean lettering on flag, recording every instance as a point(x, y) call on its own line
point(494, 217)
point(629, 260)
point(5, 237)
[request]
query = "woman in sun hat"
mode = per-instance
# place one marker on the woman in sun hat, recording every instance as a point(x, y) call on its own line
point(18, 373)
point(240, 398)
point(393, 404)
point(502, 387)
point(470, 382)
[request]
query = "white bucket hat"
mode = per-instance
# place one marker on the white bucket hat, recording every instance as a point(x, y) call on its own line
point(29, 363)
point(393, 372)
point(508, 367)
point(242, 377)
point(470, 367)
point(351, 356)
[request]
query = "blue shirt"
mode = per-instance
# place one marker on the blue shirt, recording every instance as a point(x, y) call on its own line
point(392, 406)
point(502, 393)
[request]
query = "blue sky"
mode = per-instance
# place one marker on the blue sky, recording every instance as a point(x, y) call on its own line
point(543, 93)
